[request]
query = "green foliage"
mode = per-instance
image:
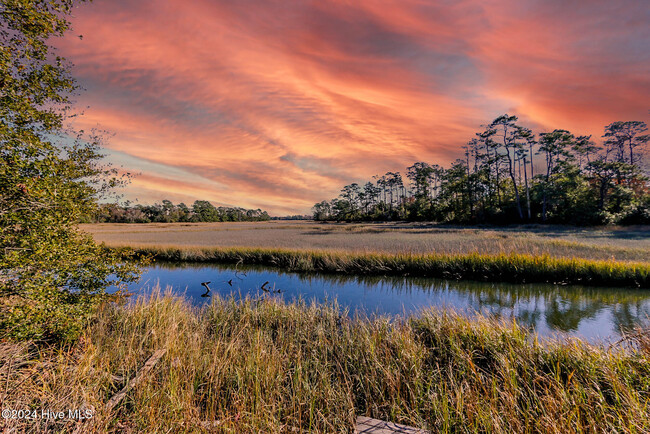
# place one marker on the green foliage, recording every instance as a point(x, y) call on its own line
point(51, 275)
point(167, 212)
point(580, 183)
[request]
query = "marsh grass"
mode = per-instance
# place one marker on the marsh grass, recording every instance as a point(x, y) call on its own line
point(271, 367)
point(516, 268)
point(617, 243)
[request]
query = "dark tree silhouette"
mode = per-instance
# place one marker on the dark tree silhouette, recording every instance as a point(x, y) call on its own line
point(581, 183)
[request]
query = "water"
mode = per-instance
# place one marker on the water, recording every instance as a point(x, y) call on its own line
point(595, 314)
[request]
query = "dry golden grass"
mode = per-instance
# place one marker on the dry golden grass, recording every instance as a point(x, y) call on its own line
point(621, 244)
point(269, 367)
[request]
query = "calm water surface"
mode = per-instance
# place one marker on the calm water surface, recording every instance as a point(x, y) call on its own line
point(595, 314)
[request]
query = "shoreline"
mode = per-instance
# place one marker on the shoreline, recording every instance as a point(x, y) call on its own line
point(511, 268)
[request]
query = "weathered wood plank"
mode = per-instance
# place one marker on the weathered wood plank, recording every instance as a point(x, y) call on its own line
point(149, 364)
point(366, 425)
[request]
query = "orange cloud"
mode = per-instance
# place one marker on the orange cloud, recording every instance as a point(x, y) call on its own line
point(279, 103)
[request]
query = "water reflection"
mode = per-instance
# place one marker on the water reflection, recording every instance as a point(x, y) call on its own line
point(593, 313)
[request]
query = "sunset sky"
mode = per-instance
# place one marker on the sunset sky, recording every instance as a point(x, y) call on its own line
point(276, 104)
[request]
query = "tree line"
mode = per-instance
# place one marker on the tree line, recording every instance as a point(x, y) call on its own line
point(510, 175)
point(167, 212)
point(293, 217)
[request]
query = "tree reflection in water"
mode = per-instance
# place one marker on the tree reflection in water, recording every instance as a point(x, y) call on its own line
point(554, 308)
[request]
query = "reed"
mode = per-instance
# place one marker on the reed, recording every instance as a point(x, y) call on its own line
point(516, 268)
point(617, 243)
point(265, 366)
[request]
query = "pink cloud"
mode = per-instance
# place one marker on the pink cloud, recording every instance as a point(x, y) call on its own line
point(283, 102)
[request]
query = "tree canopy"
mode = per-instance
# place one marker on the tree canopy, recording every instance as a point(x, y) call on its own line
point(167, 212)
point(508, 175)
point(51, 274)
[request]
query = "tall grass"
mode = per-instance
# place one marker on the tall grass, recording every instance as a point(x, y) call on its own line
point(515, 268)
point(621, 244)
point(269, 367)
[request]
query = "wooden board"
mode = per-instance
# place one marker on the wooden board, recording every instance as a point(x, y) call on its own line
point(134, 381)
point(367, 425)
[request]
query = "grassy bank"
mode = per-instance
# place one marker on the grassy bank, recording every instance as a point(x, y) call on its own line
point(474, 266)
point(270, 367)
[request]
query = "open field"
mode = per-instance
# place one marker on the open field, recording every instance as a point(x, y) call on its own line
point(270, 367)
point(618, 243)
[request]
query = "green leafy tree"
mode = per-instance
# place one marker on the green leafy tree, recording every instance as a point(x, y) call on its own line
point(322, 210)
point(627, 140)
point(581, 183)
point(420, 174)
point(584, 150)
point(341, 209)
point(513, 138)
point(52, 276)
point(555, 146)
point(370, 195)
point(352, 194)
point(204, 211)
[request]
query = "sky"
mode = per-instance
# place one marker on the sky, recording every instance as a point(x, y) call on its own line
point(277, 104)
